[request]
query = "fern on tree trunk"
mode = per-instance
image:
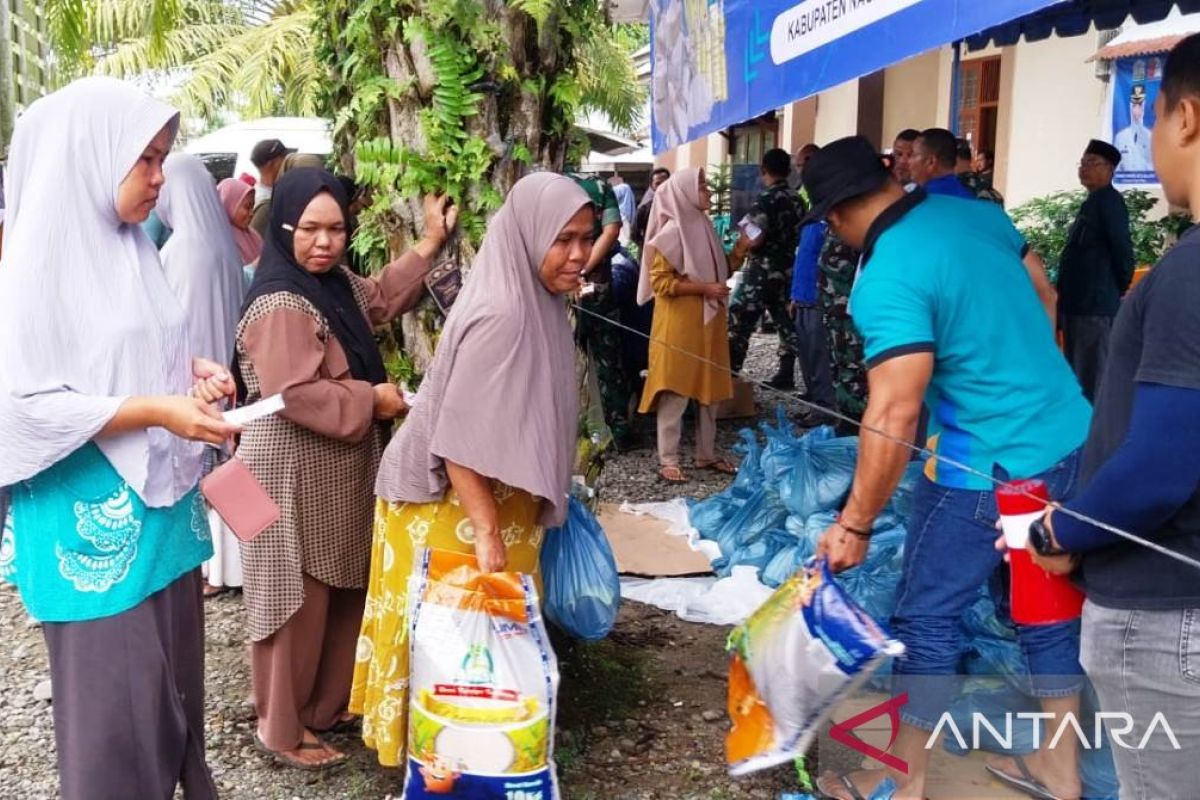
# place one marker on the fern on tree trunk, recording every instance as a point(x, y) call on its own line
point(454, 96)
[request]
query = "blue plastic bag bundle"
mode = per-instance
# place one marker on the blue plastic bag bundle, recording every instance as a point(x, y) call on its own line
point(781, 452)
point(821, 477)
point(583, 590)
point(745, 527)
point(873, 583)
point(992, 643)
point(710, 515)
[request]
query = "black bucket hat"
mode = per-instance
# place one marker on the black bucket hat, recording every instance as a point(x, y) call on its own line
point(841, 171)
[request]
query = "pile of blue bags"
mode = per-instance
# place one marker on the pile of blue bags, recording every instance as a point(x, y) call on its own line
point(787, 493)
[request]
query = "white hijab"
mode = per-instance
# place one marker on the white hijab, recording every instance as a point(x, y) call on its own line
point(86, 317)
point(201, 260)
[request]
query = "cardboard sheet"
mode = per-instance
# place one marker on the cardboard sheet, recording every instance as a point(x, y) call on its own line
point(645, 546)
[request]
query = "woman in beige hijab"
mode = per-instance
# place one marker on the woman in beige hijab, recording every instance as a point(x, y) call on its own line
point(684, 270)
point(484, 461)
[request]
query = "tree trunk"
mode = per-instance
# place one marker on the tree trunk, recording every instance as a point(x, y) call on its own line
point(515, 115)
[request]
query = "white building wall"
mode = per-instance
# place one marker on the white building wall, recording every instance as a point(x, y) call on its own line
point(1055, 105)
point(837, 113)
point(912, 91)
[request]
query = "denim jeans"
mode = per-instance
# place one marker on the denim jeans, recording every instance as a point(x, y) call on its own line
point(949, 554)
point(1143, 663)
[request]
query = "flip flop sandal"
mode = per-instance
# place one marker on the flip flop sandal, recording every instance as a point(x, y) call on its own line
point(720, 465)
point(886, 789)
point(343, 725)
point(664, 478)
point(1026, 784)
point(283, 760)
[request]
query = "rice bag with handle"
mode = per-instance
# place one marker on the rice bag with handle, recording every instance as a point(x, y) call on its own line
point(800, 654)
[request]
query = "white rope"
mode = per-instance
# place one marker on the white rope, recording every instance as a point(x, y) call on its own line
point(1104, 526)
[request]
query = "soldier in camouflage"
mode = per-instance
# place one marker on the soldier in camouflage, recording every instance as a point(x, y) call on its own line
point(599, 339)
point(981, 187)
point(839, 265)
point(767, 275)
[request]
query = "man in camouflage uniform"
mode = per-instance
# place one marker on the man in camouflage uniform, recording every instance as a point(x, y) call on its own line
point(839, 265)
point(767, 277)
point(601, 340)
point(976, 173)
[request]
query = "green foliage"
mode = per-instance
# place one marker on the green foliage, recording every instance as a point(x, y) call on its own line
point(1046, 221)
point(254, 57)
point(468, 55)
point(538, 9)
point(720, 181)
point(1149, 237)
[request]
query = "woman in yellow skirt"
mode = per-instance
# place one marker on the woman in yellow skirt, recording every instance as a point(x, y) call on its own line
point(483, 463)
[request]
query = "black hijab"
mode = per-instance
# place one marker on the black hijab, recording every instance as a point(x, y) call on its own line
point(331, 292)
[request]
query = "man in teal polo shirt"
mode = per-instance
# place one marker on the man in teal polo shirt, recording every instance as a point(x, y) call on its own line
point(949, 318)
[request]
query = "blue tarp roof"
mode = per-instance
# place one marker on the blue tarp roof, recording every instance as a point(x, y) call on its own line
point(719, 62)
point(1076, 17)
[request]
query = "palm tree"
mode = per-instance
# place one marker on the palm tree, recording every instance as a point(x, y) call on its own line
point(251, 57)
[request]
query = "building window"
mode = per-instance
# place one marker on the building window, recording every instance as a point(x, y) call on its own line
point(979, 101)
point(752, 139)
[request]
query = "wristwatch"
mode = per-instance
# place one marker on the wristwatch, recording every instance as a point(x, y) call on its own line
point(1042, 541)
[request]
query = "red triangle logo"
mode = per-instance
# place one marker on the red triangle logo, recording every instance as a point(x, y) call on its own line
point(841, 732)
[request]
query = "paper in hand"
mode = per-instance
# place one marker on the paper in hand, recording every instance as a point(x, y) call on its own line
point(263, 408)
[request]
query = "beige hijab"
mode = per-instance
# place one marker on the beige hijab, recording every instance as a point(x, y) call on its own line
point(500, 396)
point(685, 237)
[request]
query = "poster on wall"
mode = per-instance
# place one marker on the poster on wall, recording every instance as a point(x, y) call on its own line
point(1135, 87)
point(716, 63)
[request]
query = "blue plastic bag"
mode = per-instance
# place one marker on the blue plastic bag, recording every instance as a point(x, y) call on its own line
point(821, 474)
point(782, 449)
point(583, 590)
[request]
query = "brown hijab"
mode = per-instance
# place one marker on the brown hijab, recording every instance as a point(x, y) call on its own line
point(500, 396)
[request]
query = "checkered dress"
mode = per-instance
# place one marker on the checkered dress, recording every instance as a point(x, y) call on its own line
point(324, 489)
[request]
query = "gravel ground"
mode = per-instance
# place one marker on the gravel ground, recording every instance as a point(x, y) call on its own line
point(648, 721)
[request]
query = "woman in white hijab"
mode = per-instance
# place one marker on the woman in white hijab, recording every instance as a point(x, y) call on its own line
point(201, 260)
point(99, 447)
point(204, 269)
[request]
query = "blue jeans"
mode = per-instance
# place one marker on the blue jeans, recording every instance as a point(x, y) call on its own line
point(949, 554)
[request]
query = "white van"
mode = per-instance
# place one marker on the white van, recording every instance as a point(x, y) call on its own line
point(226, 152)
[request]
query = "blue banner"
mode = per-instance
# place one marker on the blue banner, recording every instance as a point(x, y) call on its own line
point(1135, 87)
point(720, 62)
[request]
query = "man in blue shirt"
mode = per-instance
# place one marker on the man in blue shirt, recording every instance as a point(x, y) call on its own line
point(934, 157)
point(812, 339)
point(1141, 473)
point(949, 319)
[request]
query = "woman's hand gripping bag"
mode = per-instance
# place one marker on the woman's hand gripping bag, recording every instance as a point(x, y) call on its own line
point(808, 647)
point(583, 589)
point(483, 685)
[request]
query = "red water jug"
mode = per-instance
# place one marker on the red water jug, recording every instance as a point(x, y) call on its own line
point(1037, 597)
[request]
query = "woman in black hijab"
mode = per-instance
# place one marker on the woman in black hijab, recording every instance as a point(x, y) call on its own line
point(307, 333)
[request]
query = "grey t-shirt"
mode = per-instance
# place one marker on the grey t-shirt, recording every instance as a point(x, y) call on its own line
point(1155, 339)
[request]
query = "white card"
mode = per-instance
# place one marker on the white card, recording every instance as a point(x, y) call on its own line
point(263, 408)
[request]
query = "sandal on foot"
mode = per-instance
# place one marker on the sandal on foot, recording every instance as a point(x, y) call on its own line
point(1026, 784)
point(671, 474)
point(347, 722)
point(884, 791)
point(720, 465)
point(284, 760)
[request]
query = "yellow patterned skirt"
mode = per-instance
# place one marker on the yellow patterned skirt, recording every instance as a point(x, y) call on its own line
point(380, 692)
